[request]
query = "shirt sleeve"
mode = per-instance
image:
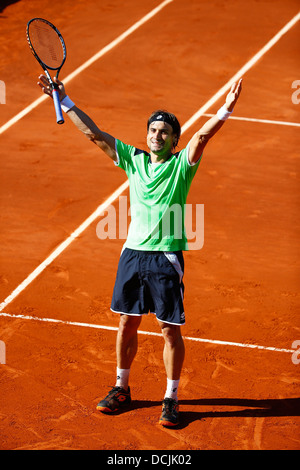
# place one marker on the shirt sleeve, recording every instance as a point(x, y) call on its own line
point(124, 154)
point(188, 171)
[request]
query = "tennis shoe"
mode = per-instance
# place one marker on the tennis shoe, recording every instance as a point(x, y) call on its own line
point(116, 399)
point(170, 413)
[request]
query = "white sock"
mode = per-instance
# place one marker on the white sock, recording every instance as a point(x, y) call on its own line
point(122, 378)
point(172, 388)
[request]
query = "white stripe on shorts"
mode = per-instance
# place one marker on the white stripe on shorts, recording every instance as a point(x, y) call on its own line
point(175, 263)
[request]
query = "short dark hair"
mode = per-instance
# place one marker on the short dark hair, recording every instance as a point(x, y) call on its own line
point(162, 115)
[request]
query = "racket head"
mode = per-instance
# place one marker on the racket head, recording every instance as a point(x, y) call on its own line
point(46, 44)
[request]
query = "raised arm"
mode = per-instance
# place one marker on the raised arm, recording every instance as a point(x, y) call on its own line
point(82, 121)
point(209, 129)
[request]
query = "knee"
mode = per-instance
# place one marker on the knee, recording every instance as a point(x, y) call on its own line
point(129, 324)
point(172, 335)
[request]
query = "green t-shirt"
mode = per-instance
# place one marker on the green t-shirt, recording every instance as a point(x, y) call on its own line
point(158, 193)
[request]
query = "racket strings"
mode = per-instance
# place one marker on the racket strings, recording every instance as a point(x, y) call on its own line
point(47, 44)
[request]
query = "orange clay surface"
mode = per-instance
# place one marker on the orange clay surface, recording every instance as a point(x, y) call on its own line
point(241, 287)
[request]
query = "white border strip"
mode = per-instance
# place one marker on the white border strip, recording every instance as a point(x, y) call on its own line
point(149, 333)
point(263, 121)
point(86, 64)
point(122, 188)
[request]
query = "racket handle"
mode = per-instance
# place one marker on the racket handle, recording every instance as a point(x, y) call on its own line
point(56, 101)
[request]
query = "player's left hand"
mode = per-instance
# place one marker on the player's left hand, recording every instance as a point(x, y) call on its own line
point(233, 95)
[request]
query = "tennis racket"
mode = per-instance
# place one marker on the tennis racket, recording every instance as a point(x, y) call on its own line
point(48, 47)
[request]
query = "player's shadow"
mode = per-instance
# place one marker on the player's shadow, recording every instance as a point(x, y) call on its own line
point(5, 3)
point(237, 407)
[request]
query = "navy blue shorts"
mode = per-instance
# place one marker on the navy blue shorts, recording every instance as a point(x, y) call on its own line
point(150, 281)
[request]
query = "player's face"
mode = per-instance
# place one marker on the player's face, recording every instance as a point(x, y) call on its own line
point(160, 138)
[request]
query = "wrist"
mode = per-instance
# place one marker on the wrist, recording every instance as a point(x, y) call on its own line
point(223, 113)
point(66, 104)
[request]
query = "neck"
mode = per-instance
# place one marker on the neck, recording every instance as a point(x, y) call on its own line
point(159, 158)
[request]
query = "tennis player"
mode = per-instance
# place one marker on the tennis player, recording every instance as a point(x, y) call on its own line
point(151, 266)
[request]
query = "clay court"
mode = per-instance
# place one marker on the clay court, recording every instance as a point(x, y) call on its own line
point(239, 388)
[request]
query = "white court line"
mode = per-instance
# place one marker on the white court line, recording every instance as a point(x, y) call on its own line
point(263, 121)
point(86, 64)
point(122, 188)
point(148, 333)
point(100, 209)
point(241, 72)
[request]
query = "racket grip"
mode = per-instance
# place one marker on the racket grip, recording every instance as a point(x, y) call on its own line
point(56, 101)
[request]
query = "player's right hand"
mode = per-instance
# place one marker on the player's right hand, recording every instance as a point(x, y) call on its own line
point(47, 88)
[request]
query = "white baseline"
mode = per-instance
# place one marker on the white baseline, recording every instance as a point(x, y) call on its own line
point(148, 333)
point(261, 121)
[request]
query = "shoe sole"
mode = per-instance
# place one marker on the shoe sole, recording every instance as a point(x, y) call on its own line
point(167, 424)
point(105, 409)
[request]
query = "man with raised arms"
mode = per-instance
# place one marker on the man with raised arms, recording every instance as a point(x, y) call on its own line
point(151, 266)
